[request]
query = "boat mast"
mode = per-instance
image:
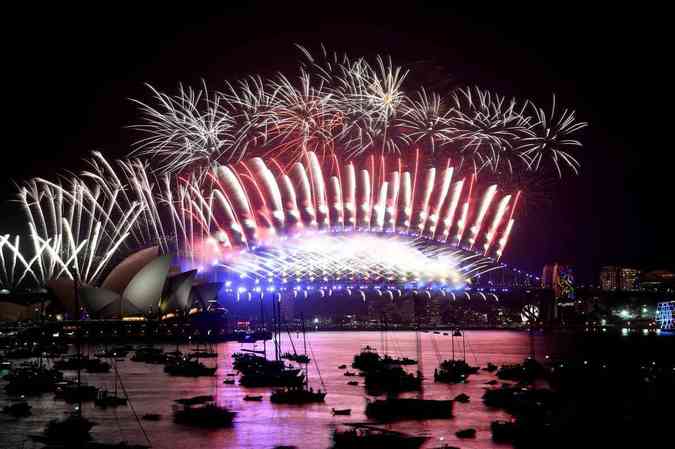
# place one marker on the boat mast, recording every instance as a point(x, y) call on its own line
point(464, 345)
point(76, 283)
point(263, 328)
point(275, 327)
point(304, 341)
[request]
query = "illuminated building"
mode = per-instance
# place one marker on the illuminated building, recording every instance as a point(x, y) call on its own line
point(619, 278)
point(664, 315)
point(629, 279)
point(609, 278)
point(560, 279)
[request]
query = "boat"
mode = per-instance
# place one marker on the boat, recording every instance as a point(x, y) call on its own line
point(19, 353)
point(206, 353)
point(208, 415)
point(106, 399)
point(74, 428)
point(491, 367)
point(297, 395)
point(113, 352)
point(361, 436)
point(70, 363)
point(398, 361)
point(503, 431)
point(367, 360)
point(454, 371)
point(527, 371)
point(352, 382)
point(466, 433)
point(203, 354)
point(300, 394)
point(149, 354)
point(299, 358)
point(195, 400)
point(151, 417)
point(17, 409)
point(257, 371)
point(32, 379)
point(188, 368)
point(269, 373)
point(341, 412)
point(250, 397)
point(463, 398)
point(97, 366)
point(393, 408)
point(391, 379)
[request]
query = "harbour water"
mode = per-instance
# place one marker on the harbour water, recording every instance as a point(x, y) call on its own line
point(266, 425)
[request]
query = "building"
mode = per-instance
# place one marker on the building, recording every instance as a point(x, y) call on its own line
point(629, 279)
point(664, 315)
point(619, 278)
point(560, 279)
point(609, 278)
point(658, 281)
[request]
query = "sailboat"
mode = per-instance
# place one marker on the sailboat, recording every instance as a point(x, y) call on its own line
point(75, 427)
point(455, 371)
point(202, 411)
point(299, 394)
point(257, 370)
point(180, 365)
point(383, 376)
point(394, 408)
point(106, 399)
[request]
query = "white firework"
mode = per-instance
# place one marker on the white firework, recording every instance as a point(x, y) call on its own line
point(15, 268)
point(75, 229)
point(488, 127)
point(551, 138)
point(184, 129)
point(426, 121)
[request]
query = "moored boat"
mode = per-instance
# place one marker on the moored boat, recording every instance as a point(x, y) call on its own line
point(392, 408)
point(370, 437)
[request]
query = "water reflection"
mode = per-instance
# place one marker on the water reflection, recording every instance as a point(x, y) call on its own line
point(265, 425)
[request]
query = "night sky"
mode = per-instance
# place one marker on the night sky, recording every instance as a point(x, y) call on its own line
point(71, 71)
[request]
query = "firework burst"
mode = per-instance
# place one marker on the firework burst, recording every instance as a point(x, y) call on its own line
point(350, 108)
point(552, 138)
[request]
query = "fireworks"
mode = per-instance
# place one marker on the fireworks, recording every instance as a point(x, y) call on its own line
point(349, 108)
point(345, 172)
point(75, 229)
point(352, 258)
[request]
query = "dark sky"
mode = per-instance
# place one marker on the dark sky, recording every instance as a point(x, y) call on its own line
point(70, 71)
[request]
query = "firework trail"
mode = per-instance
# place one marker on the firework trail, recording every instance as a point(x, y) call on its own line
point(15, 268)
